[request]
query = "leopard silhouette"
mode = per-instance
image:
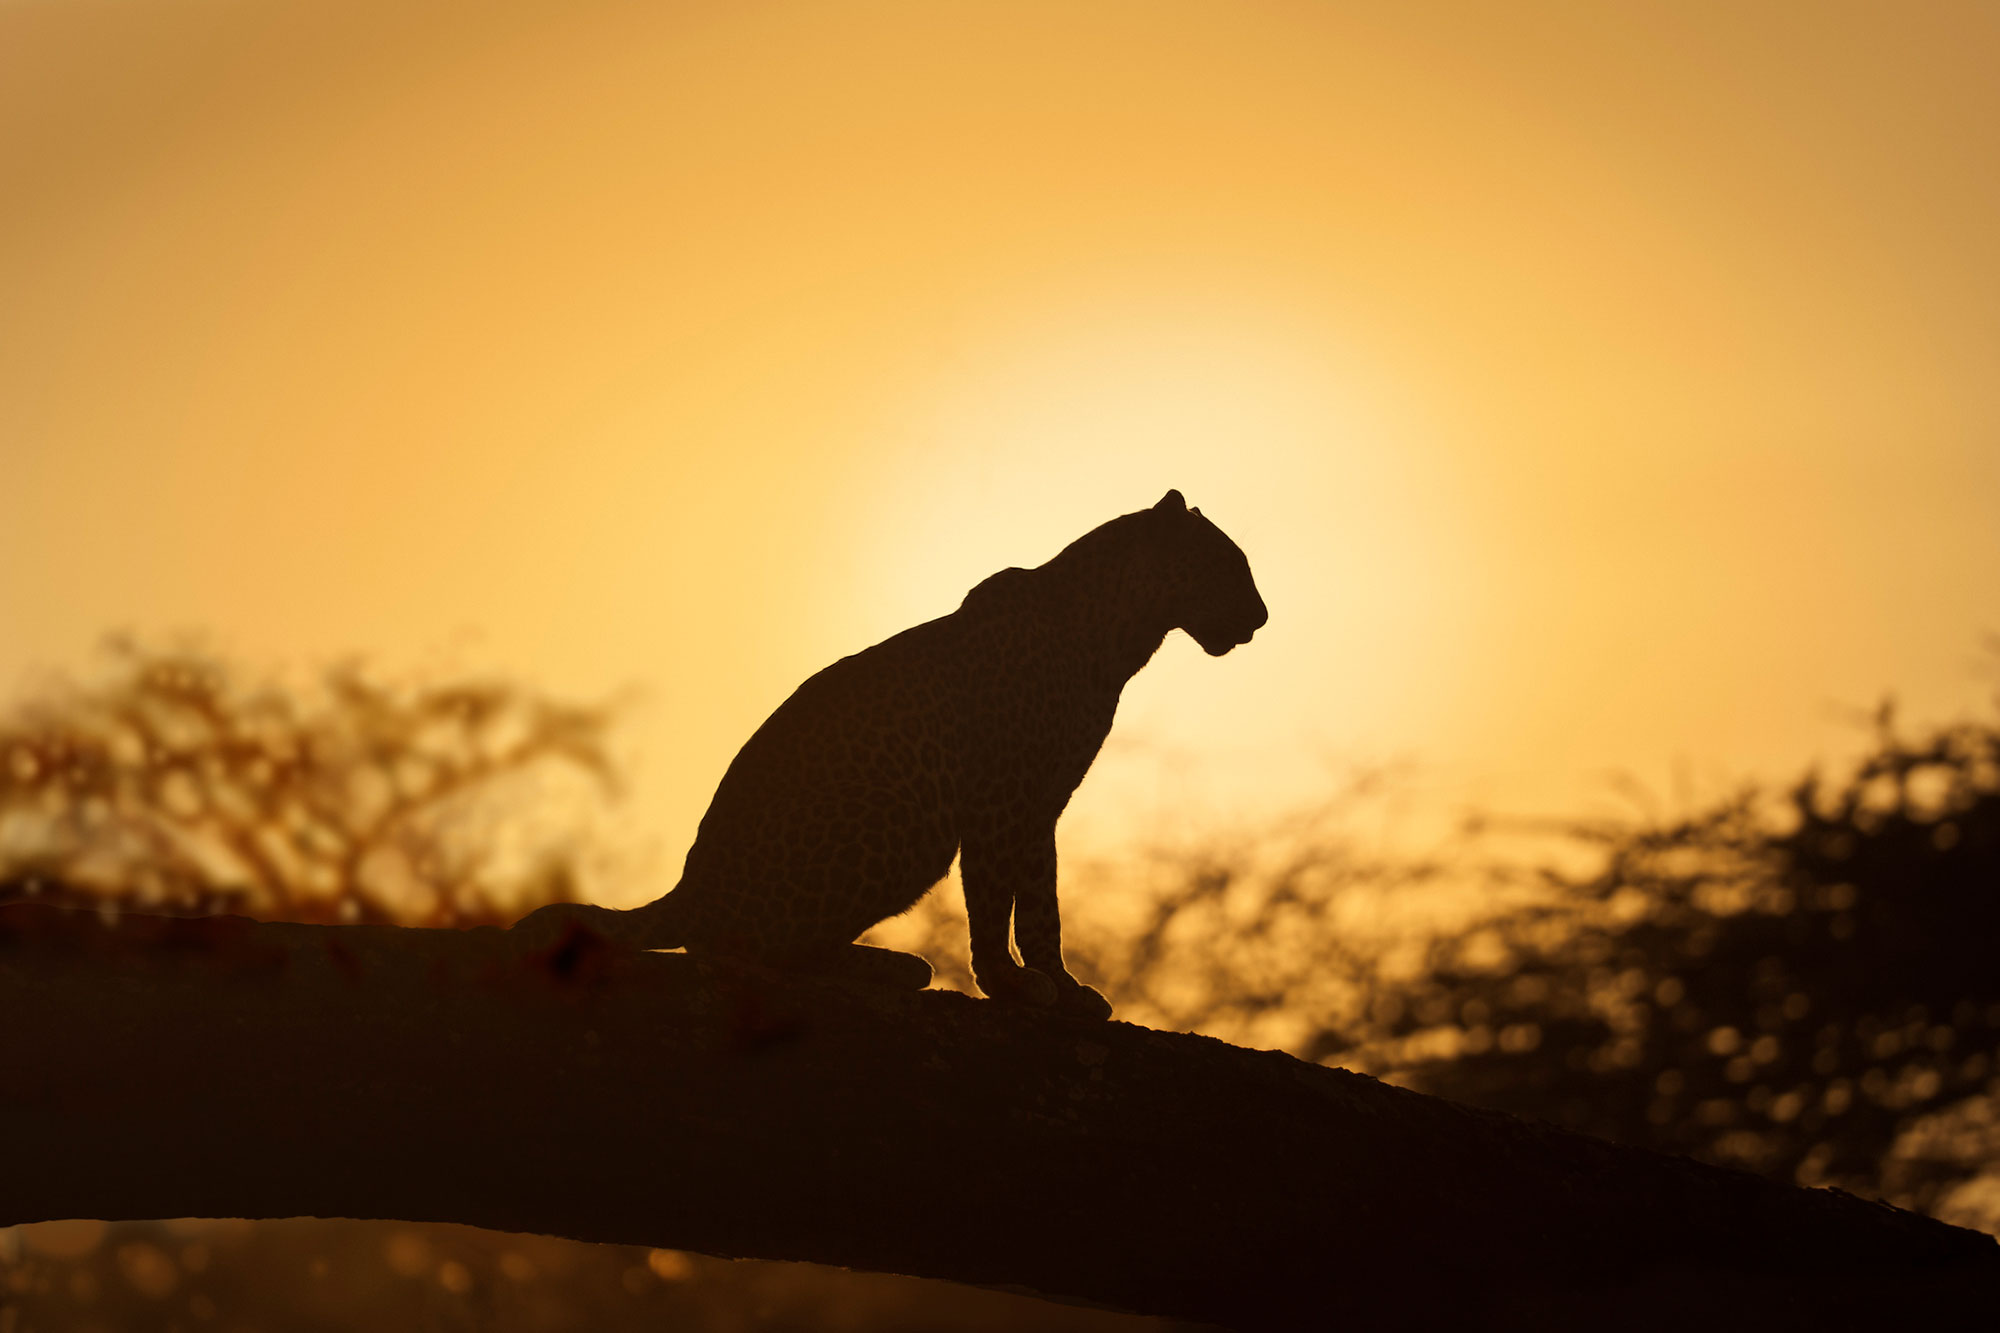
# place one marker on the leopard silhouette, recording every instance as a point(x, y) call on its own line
point(965, 736)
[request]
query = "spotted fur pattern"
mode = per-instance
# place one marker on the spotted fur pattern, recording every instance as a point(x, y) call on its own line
point(961, 737)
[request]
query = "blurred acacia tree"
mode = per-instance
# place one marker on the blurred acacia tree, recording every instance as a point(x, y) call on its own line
point(172, 784)
point(1811, 993)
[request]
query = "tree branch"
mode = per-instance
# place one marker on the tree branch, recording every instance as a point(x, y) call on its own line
point(221, 1067)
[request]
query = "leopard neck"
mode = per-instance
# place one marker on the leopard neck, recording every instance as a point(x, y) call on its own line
point(1107, 617)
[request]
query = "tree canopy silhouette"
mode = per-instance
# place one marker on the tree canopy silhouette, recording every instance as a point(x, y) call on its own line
point(1809, 994)
point(174, 783)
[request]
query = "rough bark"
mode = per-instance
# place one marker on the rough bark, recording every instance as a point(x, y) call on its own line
point(220, 1067)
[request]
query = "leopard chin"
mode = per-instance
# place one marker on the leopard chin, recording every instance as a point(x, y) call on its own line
point(1215, 645)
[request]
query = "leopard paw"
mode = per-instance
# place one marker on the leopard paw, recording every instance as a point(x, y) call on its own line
point(1018, 985)
point(1080, 1001)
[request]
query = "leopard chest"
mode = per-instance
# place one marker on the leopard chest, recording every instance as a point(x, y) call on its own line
point(1035, 730)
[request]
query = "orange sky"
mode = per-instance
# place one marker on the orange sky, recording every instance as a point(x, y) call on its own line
point(1593, 387)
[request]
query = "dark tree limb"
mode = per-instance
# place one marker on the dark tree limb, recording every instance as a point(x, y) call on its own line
point(219, 1067)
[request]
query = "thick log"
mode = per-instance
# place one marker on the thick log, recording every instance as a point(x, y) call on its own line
point(220, 1067)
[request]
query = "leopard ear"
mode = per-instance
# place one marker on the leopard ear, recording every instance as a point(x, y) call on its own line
point(1171, 503)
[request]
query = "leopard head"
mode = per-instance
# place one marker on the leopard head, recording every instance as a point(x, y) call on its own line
point(1207, 581)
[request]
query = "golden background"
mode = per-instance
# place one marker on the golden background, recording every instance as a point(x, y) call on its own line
point(1592, 386)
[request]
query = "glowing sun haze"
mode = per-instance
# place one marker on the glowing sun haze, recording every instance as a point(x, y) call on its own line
point(1592, 386)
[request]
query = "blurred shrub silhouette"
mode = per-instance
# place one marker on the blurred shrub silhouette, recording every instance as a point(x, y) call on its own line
point(325, 1274)
point(171, 785)
point(1809, 991)
point(1802, 983)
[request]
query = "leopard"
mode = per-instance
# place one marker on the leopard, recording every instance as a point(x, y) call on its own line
point(962, 738)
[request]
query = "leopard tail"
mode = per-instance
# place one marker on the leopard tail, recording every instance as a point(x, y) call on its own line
point(660, 924)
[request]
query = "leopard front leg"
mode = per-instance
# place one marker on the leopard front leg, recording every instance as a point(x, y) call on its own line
point(990, 868)
point(1038, 932)
point(1016, 875)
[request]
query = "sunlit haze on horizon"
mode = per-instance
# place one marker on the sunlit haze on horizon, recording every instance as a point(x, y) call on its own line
point(1593, 388)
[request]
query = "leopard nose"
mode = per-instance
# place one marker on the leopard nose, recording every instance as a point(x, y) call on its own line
point(1263, 618)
